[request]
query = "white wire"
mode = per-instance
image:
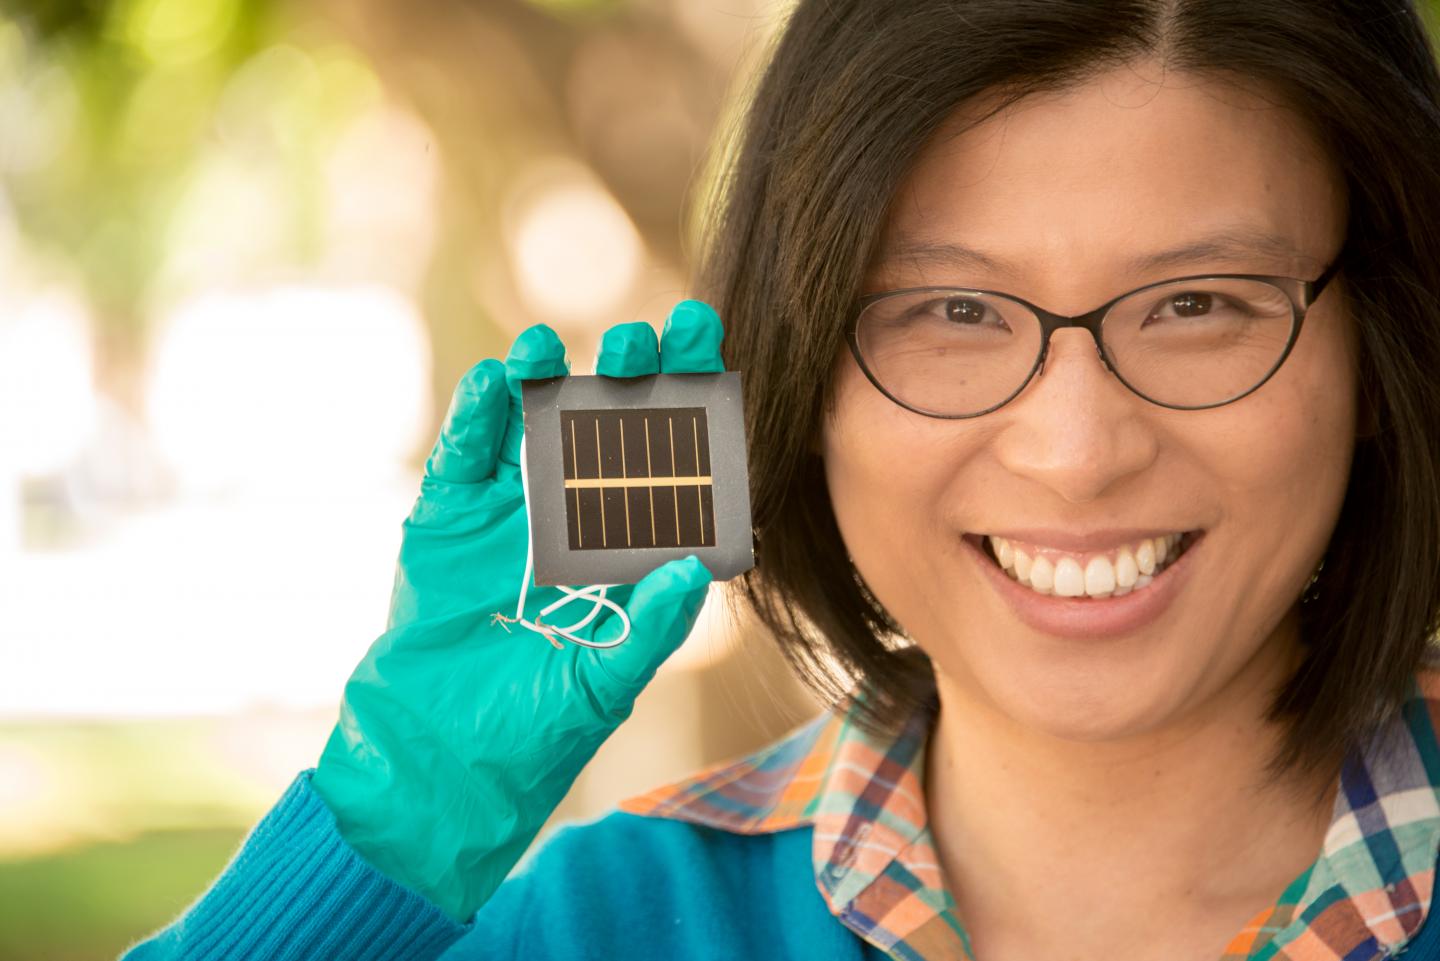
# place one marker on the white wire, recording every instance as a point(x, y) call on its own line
point(595, 593)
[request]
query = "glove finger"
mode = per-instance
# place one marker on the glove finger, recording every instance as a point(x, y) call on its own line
point(628, 350)
point(662, 610)
point(690, 343)
point(469, 440)
point(536, 354)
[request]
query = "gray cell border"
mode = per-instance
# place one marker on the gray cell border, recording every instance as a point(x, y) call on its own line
point(720, 394)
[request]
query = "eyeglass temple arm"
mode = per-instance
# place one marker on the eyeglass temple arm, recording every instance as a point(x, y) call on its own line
point(1318, 284)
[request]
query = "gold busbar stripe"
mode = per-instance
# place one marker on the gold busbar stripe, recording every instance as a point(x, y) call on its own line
point(608, 483)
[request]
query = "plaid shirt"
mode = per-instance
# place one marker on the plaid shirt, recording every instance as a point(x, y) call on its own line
point(877, 868)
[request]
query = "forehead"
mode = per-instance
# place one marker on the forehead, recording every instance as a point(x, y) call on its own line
point(1107, 176)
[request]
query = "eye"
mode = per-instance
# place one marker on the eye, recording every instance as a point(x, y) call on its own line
point(1197, 305)
point(1229, 306)
point(964, 310)
point(941, 313)
point(1192, 303)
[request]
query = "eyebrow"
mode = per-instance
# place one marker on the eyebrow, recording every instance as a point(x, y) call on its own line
point(1229, 243)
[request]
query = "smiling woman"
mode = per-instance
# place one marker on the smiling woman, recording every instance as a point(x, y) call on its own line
point(1099, 691)
point(1091, 694)
point(1093, 446)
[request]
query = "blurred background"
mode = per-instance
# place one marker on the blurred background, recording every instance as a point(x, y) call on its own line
point(246, 250)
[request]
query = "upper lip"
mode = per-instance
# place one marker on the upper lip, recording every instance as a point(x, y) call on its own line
point(1096, 540)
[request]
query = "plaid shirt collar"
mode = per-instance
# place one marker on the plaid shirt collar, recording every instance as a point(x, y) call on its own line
point(877, 868)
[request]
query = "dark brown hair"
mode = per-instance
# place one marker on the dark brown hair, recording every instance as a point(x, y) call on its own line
point(852, 91)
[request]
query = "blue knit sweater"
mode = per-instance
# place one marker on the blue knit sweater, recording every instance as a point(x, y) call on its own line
point(623, 886)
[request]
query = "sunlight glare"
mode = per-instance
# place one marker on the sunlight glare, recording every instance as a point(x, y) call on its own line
point(47, 398)
point(249, 387)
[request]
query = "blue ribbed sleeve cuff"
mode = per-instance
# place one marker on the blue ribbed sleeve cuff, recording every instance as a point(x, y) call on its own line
point(296, 890)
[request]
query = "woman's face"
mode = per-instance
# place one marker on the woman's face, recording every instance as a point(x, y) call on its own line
point(1060, 194)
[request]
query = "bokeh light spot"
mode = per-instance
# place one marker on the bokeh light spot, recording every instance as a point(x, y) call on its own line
point(575, 250)
point(179, 31)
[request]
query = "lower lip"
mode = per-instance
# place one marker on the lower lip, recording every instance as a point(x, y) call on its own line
point(1094, 618)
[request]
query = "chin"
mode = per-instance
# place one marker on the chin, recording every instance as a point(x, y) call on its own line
point(1085, 724)
point(1087, 704)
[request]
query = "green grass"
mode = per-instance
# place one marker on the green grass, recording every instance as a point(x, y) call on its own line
point(90, 903)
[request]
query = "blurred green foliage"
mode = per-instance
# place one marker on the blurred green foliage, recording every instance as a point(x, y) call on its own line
point(131, 821)
point(93, 902)
point(130, 87)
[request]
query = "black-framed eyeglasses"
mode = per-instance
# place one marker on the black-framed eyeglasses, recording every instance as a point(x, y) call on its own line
point(1188, 343)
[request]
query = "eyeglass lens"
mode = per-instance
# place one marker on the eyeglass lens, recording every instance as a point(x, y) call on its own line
point(1186, 344)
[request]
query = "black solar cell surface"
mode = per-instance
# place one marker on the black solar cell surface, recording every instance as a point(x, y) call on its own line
point(637, 478)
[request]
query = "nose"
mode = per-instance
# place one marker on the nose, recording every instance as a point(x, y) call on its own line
point(1076, 429)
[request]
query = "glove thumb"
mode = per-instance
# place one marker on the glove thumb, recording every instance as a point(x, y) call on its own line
point(662, 610)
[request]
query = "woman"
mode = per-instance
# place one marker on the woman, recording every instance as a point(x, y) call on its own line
point(1088, 351)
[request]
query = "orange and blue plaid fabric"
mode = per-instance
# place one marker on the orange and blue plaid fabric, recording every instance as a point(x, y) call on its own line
point(877, 868)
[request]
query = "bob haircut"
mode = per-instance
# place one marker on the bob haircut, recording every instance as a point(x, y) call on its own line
point(852, 91)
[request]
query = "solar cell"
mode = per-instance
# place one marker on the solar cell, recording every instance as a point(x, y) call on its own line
point(624, 474)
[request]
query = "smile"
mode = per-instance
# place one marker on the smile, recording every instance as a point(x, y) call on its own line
point(1093, 574)
point(1085, 598)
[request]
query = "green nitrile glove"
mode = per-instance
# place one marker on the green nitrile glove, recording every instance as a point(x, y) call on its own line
point(458, 735)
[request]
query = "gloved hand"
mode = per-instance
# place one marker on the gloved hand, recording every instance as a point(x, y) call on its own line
point(458, 735)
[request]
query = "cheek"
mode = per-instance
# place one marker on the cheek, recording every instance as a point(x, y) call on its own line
point(860, 445)
point(1282, 464)
point(1299, 436)
point(891, 476)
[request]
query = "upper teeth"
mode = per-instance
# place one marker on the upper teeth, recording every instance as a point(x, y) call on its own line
point(1048, 570)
